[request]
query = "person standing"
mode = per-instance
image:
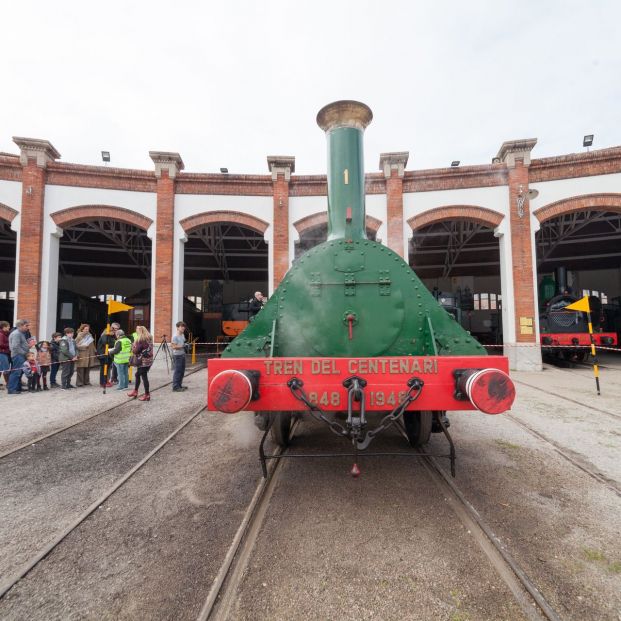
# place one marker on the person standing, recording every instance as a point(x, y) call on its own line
point(54, 352)
point(121, 352)
point(5, 352)
point(105, 359)
point(19, 346)
point(32, 371)
point(256, 304)
point(178, 350)
point(85, 344)
point(142, 359)
point(44, 360)
point(67, 356)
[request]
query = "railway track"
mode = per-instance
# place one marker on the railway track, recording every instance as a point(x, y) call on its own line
point(38, 439)
point(569, 399)
point(560, 450)
point(9, 582)
point(225, 588)
point(532, 602)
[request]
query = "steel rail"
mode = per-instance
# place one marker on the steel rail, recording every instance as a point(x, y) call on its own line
point(611, 485)
point(507, 567)
point(84, 420)
point(227, 580)
point(9, 583)
point(555, 394)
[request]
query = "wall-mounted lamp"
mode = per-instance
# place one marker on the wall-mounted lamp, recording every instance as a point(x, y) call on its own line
point(105, 156)
point(29, 190)
point(521, 199)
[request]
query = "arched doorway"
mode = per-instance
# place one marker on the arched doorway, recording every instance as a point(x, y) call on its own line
point(226, 259)
point(458, 259)
point(579, 252)
point(104, 253)
point(8, 250)
point(313, 230)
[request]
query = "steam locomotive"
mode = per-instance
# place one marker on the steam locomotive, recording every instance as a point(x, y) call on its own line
point(352, 334)
point(564, 333)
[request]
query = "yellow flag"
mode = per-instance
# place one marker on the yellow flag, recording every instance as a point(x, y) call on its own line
point(581, 305)
point(116, 307)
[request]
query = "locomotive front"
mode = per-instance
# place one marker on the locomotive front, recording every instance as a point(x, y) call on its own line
point(352, 329)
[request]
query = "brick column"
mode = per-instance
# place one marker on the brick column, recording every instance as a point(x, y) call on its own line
point(525, 353)
point(393, 166)
point(281, 168)
point(167, 165)
point(34, 157)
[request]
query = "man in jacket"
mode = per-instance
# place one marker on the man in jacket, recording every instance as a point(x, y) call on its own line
point(67, 356)
point(122, 352)
point(19, 346)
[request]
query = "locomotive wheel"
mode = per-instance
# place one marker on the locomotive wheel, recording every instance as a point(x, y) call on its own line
point(281, 428)
point(418, 426)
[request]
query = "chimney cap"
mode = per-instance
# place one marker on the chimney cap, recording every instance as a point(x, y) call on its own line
point(344, 113)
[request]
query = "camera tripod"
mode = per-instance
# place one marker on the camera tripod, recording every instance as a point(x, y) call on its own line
point(167, 353)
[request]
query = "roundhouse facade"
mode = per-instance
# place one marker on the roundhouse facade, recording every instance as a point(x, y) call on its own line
point(159, 212)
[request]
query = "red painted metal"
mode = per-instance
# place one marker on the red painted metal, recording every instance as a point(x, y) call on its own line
point(350, 322)
point(230, 391)
point(323, 380)
point(567, 338)
point(490, 391)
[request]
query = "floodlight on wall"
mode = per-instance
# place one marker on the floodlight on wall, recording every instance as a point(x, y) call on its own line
point(587, 141)
point(521, 199)
point(224, 171)
point(105, 156)
point(454, 163)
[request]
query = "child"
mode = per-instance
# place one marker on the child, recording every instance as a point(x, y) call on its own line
point(54, 351)
point(32, 371)
point(67, 356)
point(44, 359)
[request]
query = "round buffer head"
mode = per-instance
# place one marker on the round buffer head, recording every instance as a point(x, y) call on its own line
point(490, 390)
point(230, 391)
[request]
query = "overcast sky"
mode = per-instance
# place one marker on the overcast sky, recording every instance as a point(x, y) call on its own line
point(227, 83)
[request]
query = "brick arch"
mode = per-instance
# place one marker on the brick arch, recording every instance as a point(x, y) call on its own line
point(7, 214)
point(317, 219)
point(74, 215)
point(456, 212)
point(212, 217)
point(586, 202)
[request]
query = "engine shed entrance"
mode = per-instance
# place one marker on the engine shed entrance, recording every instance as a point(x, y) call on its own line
point(579, 253)
point(102, 259)
point(8, 249)
point(458, 260)
point(225, 262)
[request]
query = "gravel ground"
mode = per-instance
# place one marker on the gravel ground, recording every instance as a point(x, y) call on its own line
point(560, 524)
point(384, 546)
point(32, 415)
point(591, 436)
point(46, 486)
point(154, 548)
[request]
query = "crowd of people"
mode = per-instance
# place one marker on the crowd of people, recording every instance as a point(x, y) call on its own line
point(22, 357)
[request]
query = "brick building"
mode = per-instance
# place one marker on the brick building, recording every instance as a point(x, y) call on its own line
point(48, 206)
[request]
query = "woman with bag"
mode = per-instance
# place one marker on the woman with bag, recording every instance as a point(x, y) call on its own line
point(86, 353)
point(142, 359)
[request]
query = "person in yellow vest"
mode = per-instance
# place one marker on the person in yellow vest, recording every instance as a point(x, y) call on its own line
point(122, 352)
